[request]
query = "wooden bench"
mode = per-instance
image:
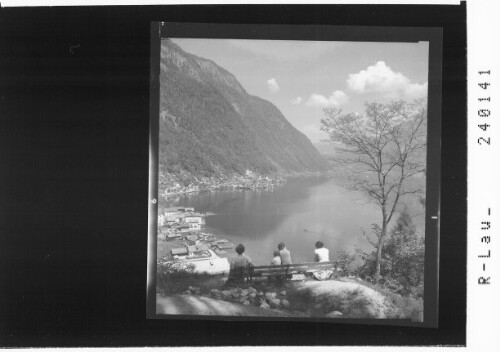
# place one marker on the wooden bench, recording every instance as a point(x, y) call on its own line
point(281, 271)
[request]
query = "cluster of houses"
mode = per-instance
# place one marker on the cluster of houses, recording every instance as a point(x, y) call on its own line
point(179, 220)
point(195, 247)
point(250, 181)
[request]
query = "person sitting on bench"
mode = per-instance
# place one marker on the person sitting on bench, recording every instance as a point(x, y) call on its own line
point(276, 258)
point(238, 264)
point(241, 260)
point(321, 254)
point(285, 256)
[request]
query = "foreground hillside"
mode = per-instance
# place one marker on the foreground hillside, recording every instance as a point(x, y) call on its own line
point(210, 126)
point(339, 298)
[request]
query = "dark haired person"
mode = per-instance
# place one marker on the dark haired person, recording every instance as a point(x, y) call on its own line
point(237, 264)
point(285, 256)
point(321, 254)
point(241, 260)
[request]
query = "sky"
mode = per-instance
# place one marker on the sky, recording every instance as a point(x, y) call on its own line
point(303, 77)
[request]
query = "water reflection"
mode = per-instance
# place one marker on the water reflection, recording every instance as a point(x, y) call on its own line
point(299, 213)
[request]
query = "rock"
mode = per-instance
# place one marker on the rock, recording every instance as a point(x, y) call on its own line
point(334, 314)
point(226, 294)
point(252, 290)
point(192, 288)
point(264, 305)
point(188, 292)
point(252, 295)
point(285, 303)
point(270, 296)
point(244, 292)
point(283, 293)
point(246, 303)
point(298, 277)
point(275, 303)
point(235, 294)
point(346, 297)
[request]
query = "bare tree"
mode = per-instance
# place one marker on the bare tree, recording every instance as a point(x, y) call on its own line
point(382, 150)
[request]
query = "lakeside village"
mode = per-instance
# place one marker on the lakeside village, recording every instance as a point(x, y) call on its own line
point(171, 184)
point(183, 242)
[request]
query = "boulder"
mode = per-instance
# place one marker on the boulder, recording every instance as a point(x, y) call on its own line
point(298, 277)
point(350, 298)
point(246, 303)
point(264, 305)
point(244, 292)
point(252, 290)
point(270, 296)
point(226, 294)
point(334, 314)
point(252, 295)
point(275, 303)
point(285, 303)
point(283, 293)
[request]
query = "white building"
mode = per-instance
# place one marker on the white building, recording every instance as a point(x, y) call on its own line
point(161, 220)
point(193, 219)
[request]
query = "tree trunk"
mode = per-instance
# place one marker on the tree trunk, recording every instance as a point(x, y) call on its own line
point(380, 245)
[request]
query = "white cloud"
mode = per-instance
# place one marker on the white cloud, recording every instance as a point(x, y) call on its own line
point(381, 79)
point(297, 101)
point(337, 98)
point(273, 86)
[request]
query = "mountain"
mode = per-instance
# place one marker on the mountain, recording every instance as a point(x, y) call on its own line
point(209, 124)
point(325, 148)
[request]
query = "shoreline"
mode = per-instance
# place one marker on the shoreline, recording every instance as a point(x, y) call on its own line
point(189, 235)
point(170, 185)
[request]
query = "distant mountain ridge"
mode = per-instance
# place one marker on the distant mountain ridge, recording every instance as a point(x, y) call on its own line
point(209, 124)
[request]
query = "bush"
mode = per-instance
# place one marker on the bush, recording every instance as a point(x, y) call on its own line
point(402, 262)
point(172, 278)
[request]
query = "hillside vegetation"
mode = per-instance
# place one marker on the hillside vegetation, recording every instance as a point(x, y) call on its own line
point(210, 126)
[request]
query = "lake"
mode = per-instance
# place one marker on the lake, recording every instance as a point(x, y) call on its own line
point(299, 213)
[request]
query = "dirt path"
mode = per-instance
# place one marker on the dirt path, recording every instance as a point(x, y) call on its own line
point(199, 305)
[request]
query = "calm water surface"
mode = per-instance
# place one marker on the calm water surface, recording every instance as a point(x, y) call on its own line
point(299, 213)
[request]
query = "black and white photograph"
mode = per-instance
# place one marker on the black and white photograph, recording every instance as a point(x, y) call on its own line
point(292, 178)
point(248, 175)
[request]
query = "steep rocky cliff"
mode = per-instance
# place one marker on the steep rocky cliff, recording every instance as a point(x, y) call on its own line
point(209, 124)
